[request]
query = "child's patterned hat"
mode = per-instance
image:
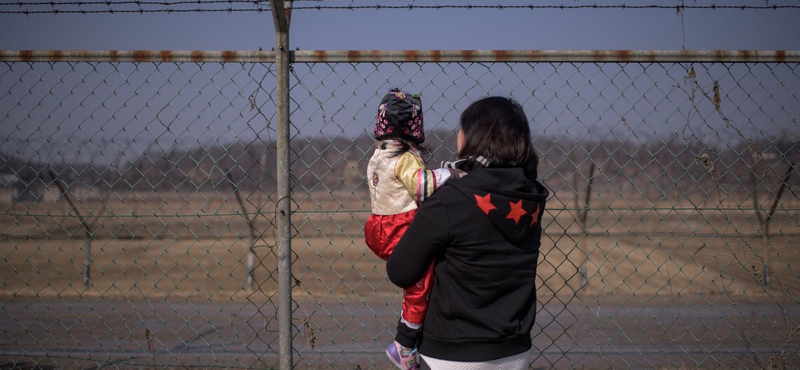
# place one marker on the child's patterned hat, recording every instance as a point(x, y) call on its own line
point(400, 116)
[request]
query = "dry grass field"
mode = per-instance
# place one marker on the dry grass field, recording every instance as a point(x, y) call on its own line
point(671, 262)
point(165, 246)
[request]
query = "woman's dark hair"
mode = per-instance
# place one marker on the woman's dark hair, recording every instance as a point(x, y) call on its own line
point(496, 128)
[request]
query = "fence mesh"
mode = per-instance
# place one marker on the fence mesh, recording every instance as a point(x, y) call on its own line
point(138, 207)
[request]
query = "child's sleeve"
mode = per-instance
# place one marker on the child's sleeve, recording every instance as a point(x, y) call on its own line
point(419, 182)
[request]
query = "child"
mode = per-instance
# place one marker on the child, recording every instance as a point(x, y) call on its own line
point(398, 182)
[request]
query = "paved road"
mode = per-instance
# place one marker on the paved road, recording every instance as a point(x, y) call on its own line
point(616, 332)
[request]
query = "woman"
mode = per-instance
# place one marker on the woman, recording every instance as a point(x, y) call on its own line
point(483, 233)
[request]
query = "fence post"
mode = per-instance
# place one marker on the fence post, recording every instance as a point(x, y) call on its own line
point(280, 18)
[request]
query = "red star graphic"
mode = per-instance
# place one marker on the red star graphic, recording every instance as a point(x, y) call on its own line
point(485, 203)
point(516, 211)
point(535, 215)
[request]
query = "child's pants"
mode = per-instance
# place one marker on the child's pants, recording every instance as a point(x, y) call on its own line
point(382, 232)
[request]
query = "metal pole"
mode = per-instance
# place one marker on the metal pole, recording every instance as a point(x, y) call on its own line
point(280, 17)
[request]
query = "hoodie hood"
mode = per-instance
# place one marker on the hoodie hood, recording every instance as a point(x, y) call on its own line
point(512, 202)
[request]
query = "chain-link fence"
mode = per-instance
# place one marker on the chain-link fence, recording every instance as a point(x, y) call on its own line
point(139, 208)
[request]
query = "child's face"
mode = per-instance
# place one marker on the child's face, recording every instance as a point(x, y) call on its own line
point(460, 140)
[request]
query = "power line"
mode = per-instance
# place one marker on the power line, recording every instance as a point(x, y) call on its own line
point(351, 7)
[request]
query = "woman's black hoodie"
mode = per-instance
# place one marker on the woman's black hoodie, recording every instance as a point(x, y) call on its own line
point(484, 232)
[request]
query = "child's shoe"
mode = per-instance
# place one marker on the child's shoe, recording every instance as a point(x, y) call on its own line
point(404, 360)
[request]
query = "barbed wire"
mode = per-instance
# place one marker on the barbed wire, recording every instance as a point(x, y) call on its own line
point(136, 2)
point(259, 8)
point(140, 11)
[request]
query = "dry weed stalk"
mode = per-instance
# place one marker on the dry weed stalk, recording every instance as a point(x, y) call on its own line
point(583, 217)
point(150, 345)
point(87, 279)
point(690, 81)
point(321, 107)
point(776, 361)
point(252, 235)
point(707, 160)
point(254, 104)
point(311, 338)
point(766, 220)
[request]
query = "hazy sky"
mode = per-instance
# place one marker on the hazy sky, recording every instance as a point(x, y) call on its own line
point(76, 100)
point(568, 29)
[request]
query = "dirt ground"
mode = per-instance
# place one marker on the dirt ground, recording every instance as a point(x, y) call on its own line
point(648, 286)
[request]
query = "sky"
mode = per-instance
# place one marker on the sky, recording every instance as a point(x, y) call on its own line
point(424, 29)
point(76, 101)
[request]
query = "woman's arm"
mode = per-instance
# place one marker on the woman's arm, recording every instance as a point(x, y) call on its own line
point(426, 236)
